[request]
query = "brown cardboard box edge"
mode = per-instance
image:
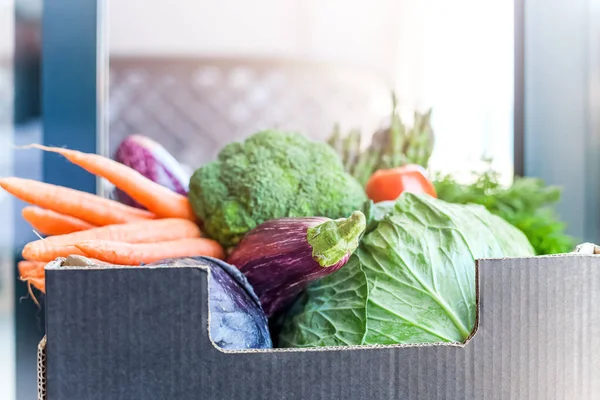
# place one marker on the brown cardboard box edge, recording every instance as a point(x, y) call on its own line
point(73, 263)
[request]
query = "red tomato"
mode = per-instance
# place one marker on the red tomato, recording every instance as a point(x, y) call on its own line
point(388, 184)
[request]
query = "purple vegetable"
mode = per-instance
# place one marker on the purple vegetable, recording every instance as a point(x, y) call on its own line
point(237, 321)
point(281, 257)
point(154, 162)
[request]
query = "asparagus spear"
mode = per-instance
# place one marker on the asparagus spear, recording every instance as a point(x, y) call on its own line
point(389, 148)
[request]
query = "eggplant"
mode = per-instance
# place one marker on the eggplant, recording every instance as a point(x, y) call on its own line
point(150, 159)
point(282, 257)
point(237, 321)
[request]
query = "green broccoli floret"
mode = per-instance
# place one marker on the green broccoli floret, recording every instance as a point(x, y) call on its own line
point(271, 175)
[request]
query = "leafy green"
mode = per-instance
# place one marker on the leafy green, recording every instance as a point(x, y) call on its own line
point(526, 204)
point(412, 279)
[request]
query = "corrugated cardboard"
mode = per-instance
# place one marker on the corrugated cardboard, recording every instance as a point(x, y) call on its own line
point(141, 333)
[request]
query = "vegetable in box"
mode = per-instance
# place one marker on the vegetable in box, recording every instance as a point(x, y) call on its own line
point(271, 175)
point(282, 256)
point(412, 279)
point(153, 161)
point(403, 274)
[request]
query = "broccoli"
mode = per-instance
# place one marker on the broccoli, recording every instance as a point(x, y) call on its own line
point(271, 175)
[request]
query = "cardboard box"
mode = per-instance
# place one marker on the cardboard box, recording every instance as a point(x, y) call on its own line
point(142, 333)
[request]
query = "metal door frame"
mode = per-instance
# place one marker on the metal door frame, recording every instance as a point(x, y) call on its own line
point(74, 79)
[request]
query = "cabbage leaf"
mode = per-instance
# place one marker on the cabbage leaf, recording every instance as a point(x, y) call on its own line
point(412, 280)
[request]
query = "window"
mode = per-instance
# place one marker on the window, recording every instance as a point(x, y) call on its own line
point(457, 57)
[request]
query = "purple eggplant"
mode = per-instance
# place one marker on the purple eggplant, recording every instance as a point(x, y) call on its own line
point(281, 257)
point(154, 162)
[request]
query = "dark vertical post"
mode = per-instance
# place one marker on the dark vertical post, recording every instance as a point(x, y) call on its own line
point(519, 90)
point(72, 81)
point(557, 105)
point(592, 167)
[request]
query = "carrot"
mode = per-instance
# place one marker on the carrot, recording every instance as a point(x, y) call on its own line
point(31, 269)
point(135, 254)
point(33, 273)
point(48, 222)
point(158, 230)
point(88, 207)
point(158, 199)
point(47, 252)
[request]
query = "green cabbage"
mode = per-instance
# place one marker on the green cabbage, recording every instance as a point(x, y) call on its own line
point(412, 280)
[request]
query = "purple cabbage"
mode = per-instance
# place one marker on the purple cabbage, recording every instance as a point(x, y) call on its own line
point(281, 257)
point(150, 159)
point(237, 321)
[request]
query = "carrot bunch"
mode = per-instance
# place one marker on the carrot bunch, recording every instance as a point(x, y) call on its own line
point(80, 223)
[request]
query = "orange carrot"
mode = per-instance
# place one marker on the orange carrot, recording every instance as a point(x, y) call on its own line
point(31, 269)
point(158, 199)
point(86, 206)
point(33, 273)
point(47, 252)
point(135, 254)
point(48, 222)
point(151, 231)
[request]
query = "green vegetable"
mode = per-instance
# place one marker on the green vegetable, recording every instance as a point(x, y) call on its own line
point(412, 280)
point(527, 204)
point(271, 175)
point(392, 147)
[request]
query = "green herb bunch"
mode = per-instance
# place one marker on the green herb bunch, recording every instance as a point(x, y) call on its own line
point(527, 204)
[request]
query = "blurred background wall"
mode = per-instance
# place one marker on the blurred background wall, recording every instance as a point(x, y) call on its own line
point(358, 33)
point(455, 57)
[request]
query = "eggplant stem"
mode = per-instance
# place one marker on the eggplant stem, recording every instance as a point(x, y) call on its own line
point(334, 241)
